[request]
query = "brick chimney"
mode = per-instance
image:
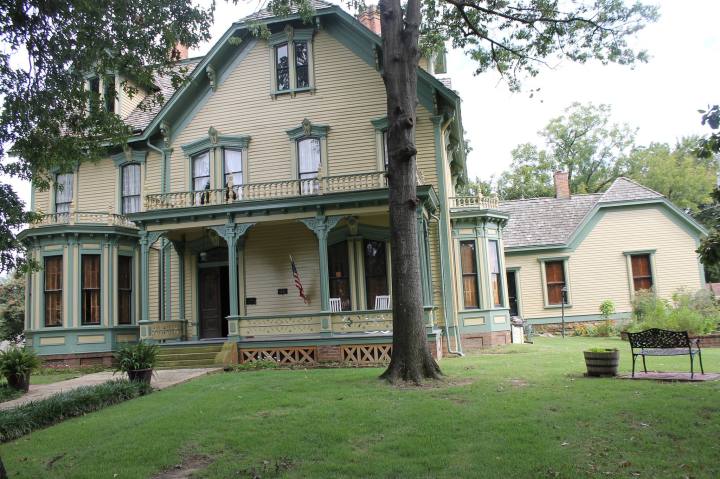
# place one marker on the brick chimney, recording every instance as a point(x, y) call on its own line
point(181, 51)
point(371, 18)
point(562, 185)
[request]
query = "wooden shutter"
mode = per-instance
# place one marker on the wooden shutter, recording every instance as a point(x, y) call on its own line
point(53, 290)
point(642, 271)
point(91, 289)
point(124, 289)
point(468, 266)
point(555, 280)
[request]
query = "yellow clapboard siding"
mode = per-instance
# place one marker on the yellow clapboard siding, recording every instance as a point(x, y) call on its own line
point(598, 268)
point(97, 186)
point(267, 269)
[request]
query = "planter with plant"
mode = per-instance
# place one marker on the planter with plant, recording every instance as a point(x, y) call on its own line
point(17, 364)
point(602, 361)
point(137, 361)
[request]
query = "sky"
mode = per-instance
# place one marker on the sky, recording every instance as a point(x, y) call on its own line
point(660, 98)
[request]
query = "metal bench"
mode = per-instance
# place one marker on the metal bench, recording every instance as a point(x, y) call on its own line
point(661, 342)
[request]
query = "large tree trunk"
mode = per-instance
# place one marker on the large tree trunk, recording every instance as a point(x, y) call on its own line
point(3, 472)
point(411, 359)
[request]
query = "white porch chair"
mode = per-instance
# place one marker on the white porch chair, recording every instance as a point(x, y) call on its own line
point(382, 302)
point(335, 305)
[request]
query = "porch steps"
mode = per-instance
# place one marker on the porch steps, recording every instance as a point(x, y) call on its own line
point(194, 356)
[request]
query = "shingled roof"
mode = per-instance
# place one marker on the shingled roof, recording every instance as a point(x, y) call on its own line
point(547, 222)
point(266, 13)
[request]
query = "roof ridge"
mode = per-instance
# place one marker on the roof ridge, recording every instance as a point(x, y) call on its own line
point(608, 193)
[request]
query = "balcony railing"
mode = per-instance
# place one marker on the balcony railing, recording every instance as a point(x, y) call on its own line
point(475, 202)
point(270, 190)
point(84, 217)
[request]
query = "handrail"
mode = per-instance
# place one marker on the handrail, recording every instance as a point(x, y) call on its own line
point(83, 217)
point(270, 190)
point(476, 202)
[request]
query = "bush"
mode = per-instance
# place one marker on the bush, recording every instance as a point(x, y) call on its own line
point(17, 422)
point(17, 363)
point(12, 308)
point(135, 357)
point(605, 329)
point(607, 309)
point(696, 313)
point(255, 365)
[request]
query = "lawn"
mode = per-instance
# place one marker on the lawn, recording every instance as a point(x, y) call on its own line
point(520, 411)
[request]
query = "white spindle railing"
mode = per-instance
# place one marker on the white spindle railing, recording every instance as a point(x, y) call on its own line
point(478, 202)
point(84, 217)
point(270, 190)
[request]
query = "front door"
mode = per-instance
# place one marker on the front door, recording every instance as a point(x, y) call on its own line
point(214, 301)
point(512, 293)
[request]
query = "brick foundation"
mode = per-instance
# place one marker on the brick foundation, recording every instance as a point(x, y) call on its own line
point(710, 341)
point(329, 354)
point(475, 341)
point(556, 328)
point(78, 360)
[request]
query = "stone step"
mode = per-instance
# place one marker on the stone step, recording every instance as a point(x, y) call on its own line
point(210, 348)
point(210, 355)
point(186, 363)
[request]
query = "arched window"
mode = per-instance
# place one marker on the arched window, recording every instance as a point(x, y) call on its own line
point(130, 188)
point(308, 153)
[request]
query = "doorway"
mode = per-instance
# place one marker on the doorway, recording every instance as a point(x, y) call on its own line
point(214, 299)
point(512, 292)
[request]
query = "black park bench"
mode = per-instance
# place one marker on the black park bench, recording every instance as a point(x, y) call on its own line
point(661, 342)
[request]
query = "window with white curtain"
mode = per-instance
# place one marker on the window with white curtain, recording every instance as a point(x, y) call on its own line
point(63, 192)
point(233, 166)
point(131, 188)
point(308, 158)
point(201, 171)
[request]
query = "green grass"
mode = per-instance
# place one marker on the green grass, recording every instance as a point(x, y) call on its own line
point(521, 411)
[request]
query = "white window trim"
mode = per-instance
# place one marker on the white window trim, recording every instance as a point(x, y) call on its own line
point(543, 278)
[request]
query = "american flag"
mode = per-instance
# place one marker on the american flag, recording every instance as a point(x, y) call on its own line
point(298, 283)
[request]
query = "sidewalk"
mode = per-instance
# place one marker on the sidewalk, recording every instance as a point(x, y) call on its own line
point(162, 378)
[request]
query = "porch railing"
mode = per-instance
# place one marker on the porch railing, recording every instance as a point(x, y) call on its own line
point(84, 217)
point(328, 324)
point(270, 190)
point(478, 202)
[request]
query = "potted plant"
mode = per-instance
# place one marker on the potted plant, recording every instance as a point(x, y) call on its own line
point(17, 364)
point(602, 361)
point(137, 361)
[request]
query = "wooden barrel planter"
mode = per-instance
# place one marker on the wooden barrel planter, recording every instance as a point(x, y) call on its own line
point(602, 363)
point(141, 375)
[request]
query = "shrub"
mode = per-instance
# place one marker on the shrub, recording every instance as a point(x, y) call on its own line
point(605, 329)
point(17, 363)
point(254, 365)
point(607, 309)
point(135, 357)
point(692, 312)
point(24, 419)
point(581, 330)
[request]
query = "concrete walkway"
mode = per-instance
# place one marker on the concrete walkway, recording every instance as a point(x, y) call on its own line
point(162, 378)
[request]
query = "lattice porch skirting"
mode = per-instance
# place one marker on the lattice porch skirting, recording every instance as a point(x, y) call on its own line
point(367, 353)
point(289, 355)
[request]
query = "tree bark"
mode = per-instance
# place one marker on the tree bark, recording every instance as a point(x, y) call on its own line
point(411, 359)
point(3, 472)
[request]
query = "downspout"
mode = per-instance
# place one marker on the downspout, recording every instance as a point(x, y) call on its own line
point(164, 164)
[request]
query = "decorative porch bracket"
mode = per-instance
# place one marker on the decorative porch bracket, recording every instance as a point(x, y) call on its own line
point(147, 238)
point(231, 233)
point(322, 225)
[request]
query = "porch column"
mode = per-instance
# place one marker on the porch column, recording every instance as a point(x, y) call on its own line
point(321, 226)
point(179, 247)
point(147, 238)
point(231, 233)
point(422, 249)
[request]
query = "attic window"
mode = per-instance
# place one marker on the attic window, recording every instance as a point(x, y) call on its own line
point(292, 61)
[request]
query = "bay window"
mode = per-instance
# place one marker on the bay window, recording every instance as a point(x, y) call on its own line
point(53, 290)
point(468, 267)
point(90, 276)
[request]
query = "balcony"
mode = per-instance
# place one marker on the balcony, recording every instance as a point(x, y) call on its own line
point(83, 217)
point(270, 190)
point(474, 202)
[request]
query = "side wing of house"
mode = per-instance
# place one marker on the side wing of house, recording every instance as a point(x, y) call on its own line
point(620, 250)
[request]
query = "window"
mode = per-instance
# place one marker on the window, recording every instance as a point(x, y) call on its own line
point(53, 291)
point(124, 289)
point(131, 188)
point(495, 278)
point(302, 64)
point(63, 192)
point(110, 93)
point(91, 289)
point(308, 151)
point(339, 272)
point(386, 156)
point(468, 265)
point(376, 281)
point(282, 67)
point(233, 160)
point(641, 271)
point(201, 176)
point(555, 282)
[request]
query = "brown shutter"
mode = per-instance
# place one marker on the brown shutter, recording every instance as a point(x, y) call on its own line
point(555, 280)
point(642, 271)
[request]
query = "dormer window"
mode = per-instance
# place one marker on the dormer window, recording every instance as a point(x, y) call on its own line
point(292, 61)
point(105, 90)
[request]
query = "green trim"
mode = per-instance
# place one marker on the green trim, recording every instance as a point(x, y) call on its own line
point(306, 130)
point(129, 156)
point(321, 226)
point(380, 124)
point(48, 232)
point(231, 233)
point(43, 255)
point(72, 346)
point(214, 140)
point(543, 279)
point(377, 233)
point(518, 289)
point(639, 252)
point(578, 318)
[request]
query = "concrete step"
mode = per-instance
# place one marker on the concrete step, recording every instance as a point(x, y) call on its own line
point(210, 348)
point(186, 363)
point(180, 356)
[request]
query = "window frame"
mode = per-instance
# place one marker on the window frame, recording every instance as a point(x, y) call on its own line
point(122, 159)
point(60, 291)
point(566, 273)
point(122, 188)
point(84, 289)
point(381, 127)
point(291, 37)
point(56, 190)
point(475, 274)
point(499, 274)
point(130, 290)
point(650, 253)
point(308, 130)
